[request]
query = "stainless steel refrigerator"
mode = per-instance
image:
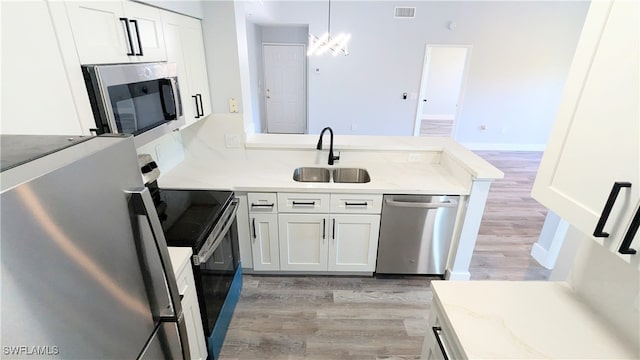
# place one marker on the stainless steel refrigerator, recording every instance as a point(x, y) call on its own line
point(84, 264)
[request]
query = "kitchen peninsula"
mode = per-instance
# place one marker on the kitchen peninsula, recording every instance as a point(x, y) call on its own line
point(213, 159)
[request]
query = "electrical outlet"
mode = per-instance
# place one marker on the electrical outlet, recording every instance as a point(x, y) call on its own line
point(233, 105)
point(354, 126)
point(232, 141)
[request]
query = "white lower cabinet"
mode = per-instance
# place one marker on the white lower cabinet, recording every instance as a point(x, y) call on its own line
point(181, 262)
point(354, 242)
point(193, 322)
point(303, 232)
point(439, 343)
point(303, 242)
point(264, 241)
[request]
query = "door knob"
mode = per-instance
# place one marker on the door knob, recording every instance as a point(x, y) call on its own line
point(425, 100)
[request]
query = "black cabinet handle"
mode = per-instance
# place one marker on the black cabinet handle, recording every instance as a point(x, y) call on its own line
point(436, 333)
point(613, 195)
point(262, 205)
point(253, 221)
point(631, 233)
point(308, 203)
point(324, 229)
point(364, 203)
point(126, 26)
point(333, 231)
point(197, 112)
point(201, 107)
point(135, 24)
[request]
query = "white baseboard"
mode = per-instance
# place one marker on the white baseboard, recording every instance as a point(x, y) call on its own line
point(449, 117)
point(504, 146)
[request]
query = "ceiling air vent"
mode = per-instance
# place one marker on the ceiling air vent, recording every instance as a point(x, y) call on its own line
point(405, 12)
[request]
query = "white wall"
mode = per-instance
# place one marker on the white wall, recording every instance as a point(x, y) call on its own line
point(285, 34)
point(254, 47)
point(221, 51)
point(521, 55)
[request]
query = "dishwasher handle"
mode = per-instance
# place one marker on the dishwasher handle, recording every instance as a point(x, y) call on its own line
point(421, 205)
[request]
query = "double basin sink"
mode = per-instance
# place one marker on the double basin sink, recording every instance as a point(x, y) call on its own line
point(339, 175)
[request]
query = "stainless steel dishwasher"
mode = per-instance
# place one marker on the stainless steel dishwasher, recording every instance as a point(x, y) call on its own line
point(416, 233)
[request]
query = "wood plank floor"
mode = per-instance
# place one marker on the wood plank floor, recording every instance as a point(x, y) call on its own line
point(331, 317)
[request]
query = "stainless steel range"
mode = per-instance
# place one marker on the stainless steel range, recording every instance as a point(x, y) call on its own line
point(204, 220)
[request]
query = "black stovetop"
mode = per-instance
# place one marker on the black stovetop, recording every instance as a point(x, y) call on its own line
point(190, 215)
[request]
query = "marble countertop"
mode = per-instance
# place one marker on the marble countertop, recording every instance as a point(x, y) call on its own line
point(266, 163)
point(477, 167)
point(526, 320)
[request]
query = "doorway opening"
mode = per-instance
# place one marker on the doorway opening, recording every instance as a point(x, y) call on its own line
point(285, 88)
point(441, 89)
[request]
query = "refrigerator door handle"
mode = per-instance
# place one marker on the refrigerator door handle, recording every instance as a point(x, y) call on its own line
point(148, 249)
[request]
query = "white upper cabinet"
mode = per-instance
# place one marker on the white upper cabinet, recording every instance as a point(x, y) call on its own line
point(146, 24)
point(596, 139)
point(185, 46)
point(116, 32)
point(36, 96)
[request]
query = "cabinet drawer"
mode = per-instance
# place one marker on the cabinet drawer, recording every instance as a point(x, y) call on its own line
point(356, 203)
point(303, 203)
point(262, 202)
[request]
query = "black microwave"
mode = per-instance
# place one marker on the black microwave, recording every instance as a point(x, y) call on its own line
point(140, 99)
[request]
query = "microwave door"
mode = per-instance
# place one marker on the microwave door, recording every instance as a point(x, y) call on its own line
point(168, 99)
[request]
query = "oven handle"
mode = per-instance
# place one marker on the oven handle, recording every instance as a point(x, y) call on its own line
point(215, 239)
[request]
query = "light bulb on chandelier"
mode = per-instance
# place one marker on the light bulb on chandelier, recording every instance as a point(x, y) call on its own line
point(336, 44)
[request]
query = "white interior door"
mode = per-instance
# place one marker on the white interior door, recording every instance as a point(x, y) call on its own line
point(441, 89)
point(285, 88)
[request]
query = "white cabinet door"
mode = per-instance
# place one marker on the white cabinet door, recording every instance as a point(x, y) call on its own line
point(303, 241)
point(354, 242)
point(108, 32)
point(99, 34)
point(193, 322)
point(595, 141)
point(36, 97)
point(196, 63)
point(146, 31)
point(264, 240)
point(185, 46)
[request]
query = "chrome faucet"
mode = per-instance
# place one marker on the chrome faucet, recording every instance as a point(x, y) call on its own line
point(319, 146)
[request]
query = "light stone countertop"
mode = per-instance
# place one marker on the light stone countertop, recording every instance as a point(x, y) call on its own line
point(526, 320)
point(267, 163)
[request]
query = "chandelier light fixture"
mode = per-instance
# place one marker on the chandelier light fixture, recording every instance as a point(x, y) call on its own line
point(336, 44)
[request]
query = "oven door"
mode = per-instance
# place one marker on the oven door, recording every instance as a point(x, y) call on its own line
point(215, 266)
